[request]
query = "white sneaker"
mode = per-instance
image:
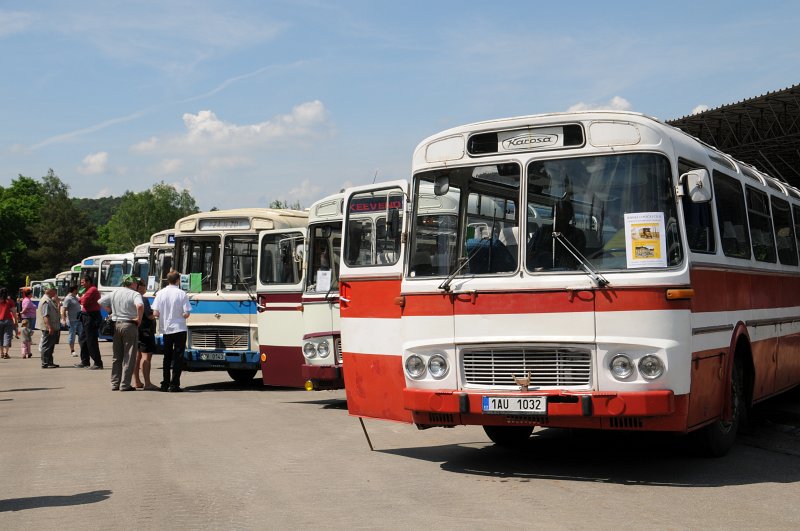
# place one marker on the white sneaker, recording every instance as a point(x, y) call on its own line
point(74, 355)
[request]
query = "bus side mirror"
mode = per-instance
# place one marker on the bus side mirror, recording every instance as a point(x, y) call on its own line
point(393, 226)
point(697, 185)
point(441, 185)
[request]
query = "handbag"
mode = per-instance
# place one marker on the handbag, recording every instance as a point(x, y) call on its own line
point(107, 328)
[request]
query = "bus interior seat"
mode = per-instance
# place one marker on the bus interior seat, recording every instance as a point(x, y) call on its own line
point(422, 265)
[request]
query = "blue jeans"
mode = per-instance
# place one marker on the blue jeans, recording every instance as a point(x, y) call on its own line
point(75, 329)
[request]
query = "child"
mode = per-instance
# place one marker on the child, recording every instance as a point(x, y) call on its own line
point(25, 332)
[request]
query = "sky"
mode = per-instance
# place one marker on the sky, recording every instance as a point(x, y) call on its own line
point(246, 102)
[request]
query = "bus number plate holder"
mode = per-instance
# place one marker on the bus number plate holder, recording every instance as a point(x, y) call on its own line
point(529, 405)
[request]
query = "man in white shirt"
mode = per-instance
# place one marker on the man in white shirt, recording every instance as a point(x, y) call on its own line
point(126, 308)
point(171, 306)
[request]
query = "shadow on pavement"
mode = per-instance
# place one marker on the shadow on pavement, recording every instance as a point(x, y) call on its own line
point(35, 502)
point(608, 457)
point(254, 385)
point(330, 403)
point(30, 389)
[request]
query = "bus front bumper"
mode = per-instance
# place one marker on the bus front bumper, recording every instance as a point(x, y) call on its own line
point(651, 410)
point(319, 377)
point(221, 360)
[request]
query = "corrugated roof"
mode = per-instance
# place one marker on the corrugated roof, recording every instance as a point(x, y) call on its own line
point(763, 131)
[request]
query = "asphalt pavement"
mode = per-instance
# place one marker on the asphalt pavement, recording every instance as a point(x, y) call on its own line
point(76, 455)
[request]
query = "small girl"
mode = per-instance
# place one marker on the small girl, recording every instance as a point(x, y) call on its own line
point(25, 333)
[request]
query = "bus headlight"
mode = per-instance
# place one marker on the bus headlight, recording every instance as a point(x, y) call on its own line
point(621, 366)
point(437, 365)
point(310, 350)
point(651, 367)
point(415, 366)
point(323, 349)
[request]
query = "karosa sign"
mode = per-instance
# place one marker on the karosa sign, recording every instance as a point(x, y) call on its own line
point(376, 204)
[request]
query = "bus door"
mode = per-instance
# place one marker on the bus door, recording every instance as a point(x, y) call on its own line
point(370, 303)
point(280, 310)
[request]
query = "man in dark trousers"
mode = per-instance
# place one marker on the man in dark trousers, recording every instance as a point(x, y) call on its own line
point(172, 308)
point(91, 319)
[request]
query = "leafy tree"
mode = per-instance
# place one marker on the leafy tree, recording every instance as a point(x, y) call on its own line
point(277, 203)
point(141, 214)
point(63, 233)
point(99, 210)
point(19, 211)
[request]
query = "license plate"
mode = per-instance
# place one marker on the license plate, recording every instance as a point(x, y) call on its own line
point(515, 404)
point(215, 356)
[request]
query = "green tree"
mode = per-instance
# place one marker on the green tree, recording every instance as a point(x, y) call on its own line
point(19, 211)
point(63, 233)
point(141, 214)
point(277, 203)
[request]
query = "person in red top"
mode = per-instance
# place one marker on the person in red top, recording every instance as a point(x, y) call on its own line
point(91, 319)
point(8, 322)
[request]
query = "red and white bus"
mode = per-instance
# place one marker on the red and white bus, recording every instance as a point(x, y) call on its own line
point(322, 347)
point(604, 270)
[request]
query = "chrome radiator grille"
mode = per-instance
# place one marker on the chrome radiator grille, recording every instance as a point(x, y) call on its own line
point(548, 366)
point(337, 347)
point(217, 338)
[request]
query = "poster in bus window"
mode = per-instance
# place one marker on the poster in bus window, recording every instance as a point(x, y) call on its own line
point(645, 245)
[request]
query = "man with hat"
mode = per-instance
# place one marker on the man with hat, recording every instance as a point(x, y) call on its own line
point(126, 308)
point(49, 322)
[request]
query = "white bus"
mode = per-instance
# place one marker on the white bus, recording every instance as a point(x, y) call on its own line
point(320, 311)
point(217, 254)
point(162, 247)
point(605, 271)
point(141, 261)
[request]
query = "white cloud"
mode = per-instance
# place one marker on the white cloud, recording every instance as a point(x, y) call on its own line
point(206, 133)
point(617, 103)
point(306, 190)
point(700, 108)
point(105, 192)
point(94, 163)
point(12, 22)
point(169, 166)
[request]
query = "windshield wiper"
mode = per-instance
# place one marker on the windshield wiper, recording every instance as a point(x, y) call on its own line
point(593, 273)
point(464, 261)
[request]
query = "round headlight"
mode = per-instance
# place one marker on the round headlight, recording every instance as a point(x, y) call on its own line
point(323, 349)
point(651, 367)
point(415, 367)
point(621, 366)
point(310, 350)
point(438, 366)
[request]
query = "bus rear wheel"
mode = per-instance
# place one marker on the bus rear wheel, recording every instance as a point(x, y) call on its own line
point(242, 375)
point(508, 436)
point(716, 440)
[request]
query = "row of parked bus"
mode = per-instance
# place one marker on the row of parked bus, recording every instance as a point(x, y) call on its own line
point(582, 270)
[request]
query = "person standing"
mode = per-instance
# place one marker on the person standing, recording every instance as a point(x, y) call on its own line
point(28, 307)
point(147, 345)
point(49, 323)
point(70, 309)
point(90, 323)
point(25, 338)
point(8, 322)
point(171, 306)
point(126, 308)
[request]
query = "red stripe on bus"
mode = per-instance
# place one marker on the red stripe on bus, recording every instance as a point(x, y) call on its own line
point(375, 386)
point(719, 290)
point(369, 298)
point(265, 298)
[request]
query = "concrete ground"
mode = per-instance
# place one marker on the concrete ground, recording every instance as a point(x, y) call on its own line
point(75, 455)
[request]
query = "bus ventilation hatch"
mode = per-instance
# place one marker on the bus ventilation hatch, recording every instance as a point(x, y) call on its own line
point(625, 423)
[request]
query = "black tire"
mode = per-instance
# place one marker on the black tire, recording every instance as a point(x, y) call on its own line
point(716, 440)
point(508, 436)
point(242, 375)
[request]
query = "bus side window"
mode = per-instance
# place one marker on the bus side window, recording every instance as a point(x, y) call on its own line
point(697, 218)
point(731, 216)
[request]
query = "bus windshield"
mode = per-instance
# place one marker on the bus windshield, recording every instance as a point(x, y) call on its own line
point(199, 255)
point(616, 212)
point(111, 273)
point(324, 250)
point(279, 263)
point(239, 262)
point(160, 264)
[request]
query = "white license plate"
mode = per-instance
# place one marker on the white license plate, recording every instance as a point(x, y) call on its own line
point(515, 404)
point(215, 356)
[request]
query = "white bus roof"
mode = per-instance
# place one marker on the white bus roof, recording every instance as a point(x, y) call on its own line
point(241, 220)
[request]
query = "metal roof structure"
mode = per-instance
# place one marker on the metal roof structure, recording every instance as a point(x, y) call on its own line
point(763, 131)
